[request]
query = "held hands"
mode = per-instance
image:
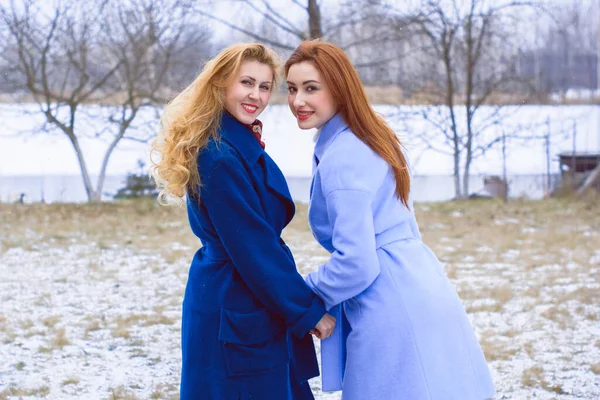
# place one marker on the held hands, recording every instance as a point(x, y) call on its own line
point(324, 328)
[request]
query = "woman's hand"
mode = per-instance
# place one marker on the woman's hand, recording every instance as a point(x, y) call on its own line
point(324, 328)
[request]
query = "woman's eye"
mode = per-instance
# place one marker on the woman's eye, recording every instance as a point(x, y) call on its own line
point(311, 88)
point(291, 89)
point(246, 82)
point(265, 88)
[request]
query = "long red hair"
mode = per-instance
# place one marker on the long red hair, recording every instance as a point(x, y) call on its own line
point(348, 92)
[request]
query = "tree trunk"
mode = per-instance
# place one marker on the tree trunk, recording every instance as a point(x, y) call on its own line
point(87, 182)
point(102, 176)
point(68, 131)
point(457, 191)
point(314, 20)
point(465, 178)
point(504, 173)
point(450, 105)
point(469, 149)
point(122, 129)
point(471, 60)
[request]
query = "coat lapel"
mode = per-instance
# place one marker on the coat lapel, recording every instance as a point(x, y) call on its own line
point(275, 179)
point(324, 138)
point(240, 137)
point(329, 132)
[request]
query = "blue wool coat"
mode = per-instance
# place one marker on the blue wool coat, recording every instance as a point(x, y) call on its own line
point(246, 310)
point(402, 331)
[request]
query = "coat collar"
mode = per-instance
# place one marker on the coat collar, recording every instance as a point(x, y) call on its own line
point(240, 138)
point(328, 133)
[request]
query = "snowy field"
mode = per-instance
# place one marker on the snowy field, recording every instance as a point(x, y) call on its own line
point(90, 295)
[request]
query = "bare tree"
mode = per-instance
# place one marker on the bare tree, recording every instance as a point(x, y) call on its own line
point(107, 52)
point(468, 60)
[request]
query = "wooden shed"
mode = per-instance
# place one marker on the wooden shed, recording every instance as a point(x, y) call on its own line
point(580, 171)
point(578, 162)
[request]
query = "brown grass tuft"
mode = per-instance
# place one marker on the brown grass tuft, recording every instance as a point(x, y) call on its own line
point(122, 393)
point(71, 381)
point(51, 320)
point(60, 339)
point(14, 391)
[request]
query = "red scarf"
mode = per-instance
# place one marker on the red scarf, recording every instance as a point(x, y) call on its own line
point(256, 129)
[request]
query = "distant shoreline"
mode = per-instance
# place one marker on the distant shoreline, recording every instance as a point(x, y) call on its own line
point(425, 188)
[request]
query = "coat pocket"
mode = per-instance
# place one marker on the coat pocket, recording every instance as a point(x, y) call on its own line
point(253, 342)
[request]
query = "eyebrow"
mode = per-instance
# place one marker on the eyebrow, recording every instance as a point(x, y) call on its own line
point(304, 83)
point(254, 80)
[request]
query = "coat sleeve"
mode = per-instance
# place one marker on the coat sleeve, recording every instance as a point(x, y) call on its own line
point(353, 265)
point(255, 248)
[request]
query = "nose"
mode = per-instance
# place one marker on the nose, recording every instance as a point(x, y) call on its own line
point(254, 93)
point(298, 100)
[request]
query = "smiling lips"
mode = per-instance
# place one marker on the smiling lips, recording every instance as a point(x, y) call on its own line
point(304, 115)
point(249, 108)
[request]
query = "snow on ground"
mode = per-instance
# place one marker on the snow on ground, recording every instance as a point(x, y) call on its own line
point(90, 296)
point(83, 321)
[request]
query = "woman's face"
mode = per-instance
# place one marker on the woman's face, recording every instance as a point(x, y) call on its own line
point(309, 97)
point(249, 93)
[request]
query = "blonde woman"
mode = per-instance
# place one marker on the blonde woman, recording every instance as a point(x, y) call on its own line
point(246, 310)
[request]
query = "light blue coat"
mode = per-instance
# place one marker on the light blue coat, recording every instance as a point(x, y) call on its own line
point(402, 332)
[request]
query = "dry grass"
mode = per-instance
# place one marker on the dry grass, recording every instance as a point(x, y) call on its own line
point(141, 225)
point(121, 326)
point(534, 377)
point(163, 391)
point(556, 225)
point(50, 320)
point(93, 326)
point(122, 393)
point(60, 339)
point(70, 381)
point(37, 392)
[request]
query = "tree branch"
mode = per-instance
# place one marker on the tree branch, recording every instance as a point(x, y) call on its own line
point(245, 31)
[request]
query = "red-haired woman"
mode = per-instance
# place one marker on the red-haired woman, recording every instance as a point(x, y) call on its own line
point(402, 330)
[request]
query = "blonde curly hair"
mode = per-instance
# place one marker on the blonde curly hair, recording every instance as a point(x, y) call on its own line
point(192, 118)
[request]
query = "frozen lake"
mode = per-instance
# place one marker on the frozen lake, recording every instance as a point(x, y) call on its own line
point(43, 165)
